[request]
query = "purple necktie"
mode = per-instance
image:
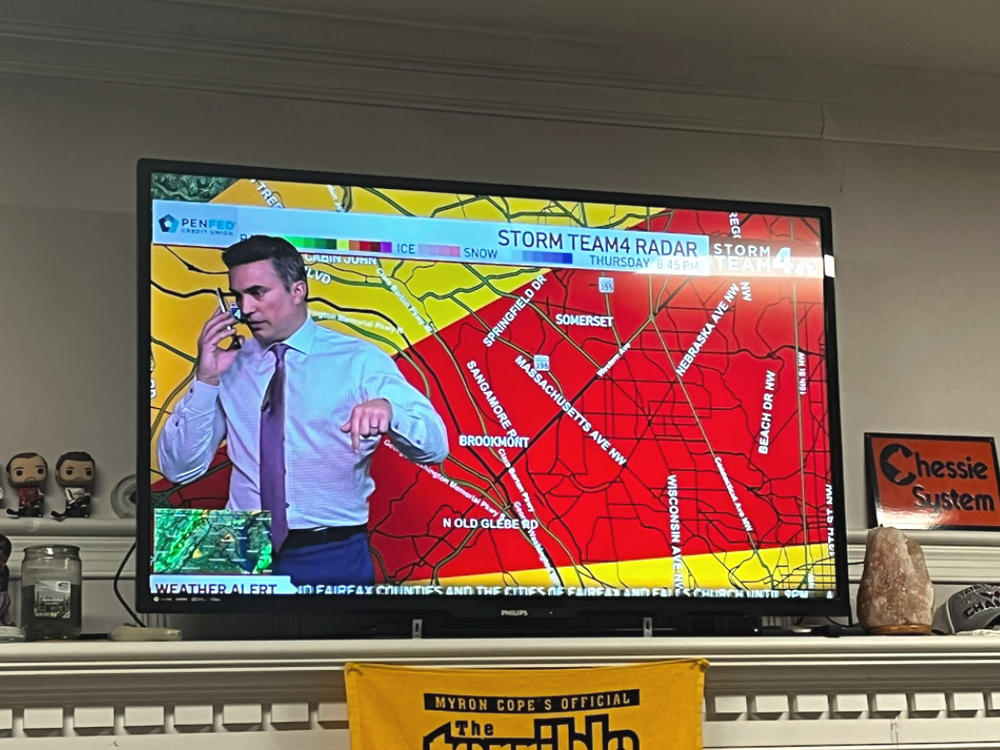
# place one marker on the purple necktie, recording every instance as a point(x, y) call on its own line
point(272, 450)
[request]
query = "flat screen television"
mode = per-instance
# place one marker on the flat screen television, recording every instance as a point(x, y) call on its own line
point(638, 392)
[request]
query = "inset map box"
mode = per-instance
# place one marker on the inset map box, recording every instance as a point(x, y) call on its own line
point(211, 541)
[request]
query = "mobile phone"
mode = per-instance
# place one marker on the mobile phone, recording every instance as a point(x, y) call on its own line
point(235, 343)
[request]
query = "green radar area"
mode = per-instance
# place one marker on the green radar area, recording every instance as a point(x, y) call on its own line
point(211, 541)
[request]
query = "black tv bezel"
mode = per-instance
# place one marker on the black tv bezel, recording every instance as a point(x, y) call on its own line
point(481, 609)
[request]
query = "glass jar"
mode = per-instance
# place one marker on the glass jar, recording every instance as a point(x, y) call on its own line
point(51, 584)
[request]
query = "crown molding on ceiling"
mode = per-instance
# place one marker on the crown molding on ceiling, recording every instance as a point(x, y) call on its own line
point(277, 72)
point(217, 47)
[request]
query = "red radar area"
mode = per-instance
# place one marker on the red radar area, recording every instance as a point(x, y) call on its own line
point(605, 404)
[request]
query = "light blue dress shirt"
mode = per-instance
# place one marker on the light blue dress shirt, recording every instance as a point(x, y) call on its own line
point(327, 375)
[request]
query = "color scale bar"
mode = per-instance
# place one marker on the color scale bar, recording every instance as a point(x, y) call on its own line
point(542, 256)
point(444, 251)
point(325, 243)
point(364, 246)
point(316, 243)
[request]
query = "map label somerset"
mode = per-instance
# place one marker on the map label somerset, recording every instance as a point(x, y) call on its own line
point(594, 321)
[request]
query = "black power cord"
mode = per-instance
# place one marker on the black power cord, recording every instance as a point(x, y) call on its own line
point(121, 599)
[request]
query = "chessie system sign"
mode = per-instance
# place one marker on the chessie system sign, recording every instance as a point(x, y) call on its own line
point(933, 481)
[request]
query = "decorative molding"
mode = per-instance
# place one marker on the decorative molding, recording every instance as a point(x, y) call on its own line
point(311, 54)
point(933, 692)
point(947, 564)
point(71, 527)
point(357, 81)
point(944, 126)
point(103, 543)
point(953, 557)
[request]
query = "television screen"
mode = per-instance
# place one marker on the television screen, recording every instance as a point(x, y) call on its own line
point(485, 398)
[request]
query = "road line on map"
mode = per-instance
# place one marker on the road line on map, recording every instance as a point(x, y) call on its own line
point(721, 308)
point(405, 302)
point(478, 502)
point(676, 543)
point(481, 503)
point(798, 417)
point(532, 536)
point(521, 302)
point(570, 410)
point(701, 428)
point(594, 378)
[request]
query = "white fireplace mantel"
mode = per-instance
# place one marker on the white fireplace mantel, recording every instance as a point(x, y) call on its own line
point(802, 691)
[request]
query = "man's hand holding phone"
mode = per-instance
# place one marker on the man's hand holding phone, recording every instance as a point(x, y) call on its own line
point(212, 360)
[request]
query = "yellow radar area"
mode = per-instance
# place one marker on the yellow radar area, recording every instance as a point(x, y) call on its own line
point(394, 303)
point(397, 304)
point(399, 202)
point(182, 298)
point(279, 195)
point(766, 569)
point(532, 211)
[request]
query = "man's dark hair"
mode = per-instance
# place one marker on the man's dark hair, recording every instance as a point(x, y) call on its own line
point(74, 456)
point(29, 454)
point(5, 548)
point(284, 257)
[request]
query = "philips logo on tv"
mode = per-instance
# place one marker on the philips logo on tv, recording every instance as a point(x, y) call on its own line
point(168, 223)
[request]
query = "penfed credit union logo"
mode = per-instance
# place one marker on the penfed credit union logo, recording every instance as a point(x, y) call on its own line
point(197, 225)
point(168, 223)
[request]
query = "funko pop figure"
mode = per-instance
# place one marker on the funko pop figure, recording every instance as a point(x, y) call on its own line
point(27, 473)
point(75, 472)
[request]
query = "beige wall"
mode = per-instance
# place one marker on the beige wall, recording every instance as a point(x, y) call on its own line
point(913, 233)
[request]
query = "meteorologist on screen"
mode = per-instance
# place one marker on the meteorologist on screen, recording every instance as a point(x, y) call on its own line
point(302, 408)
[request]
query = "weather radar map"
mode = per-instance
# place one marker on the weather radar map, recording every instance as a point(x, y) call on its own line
point(194, 540)
point(635, 395)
